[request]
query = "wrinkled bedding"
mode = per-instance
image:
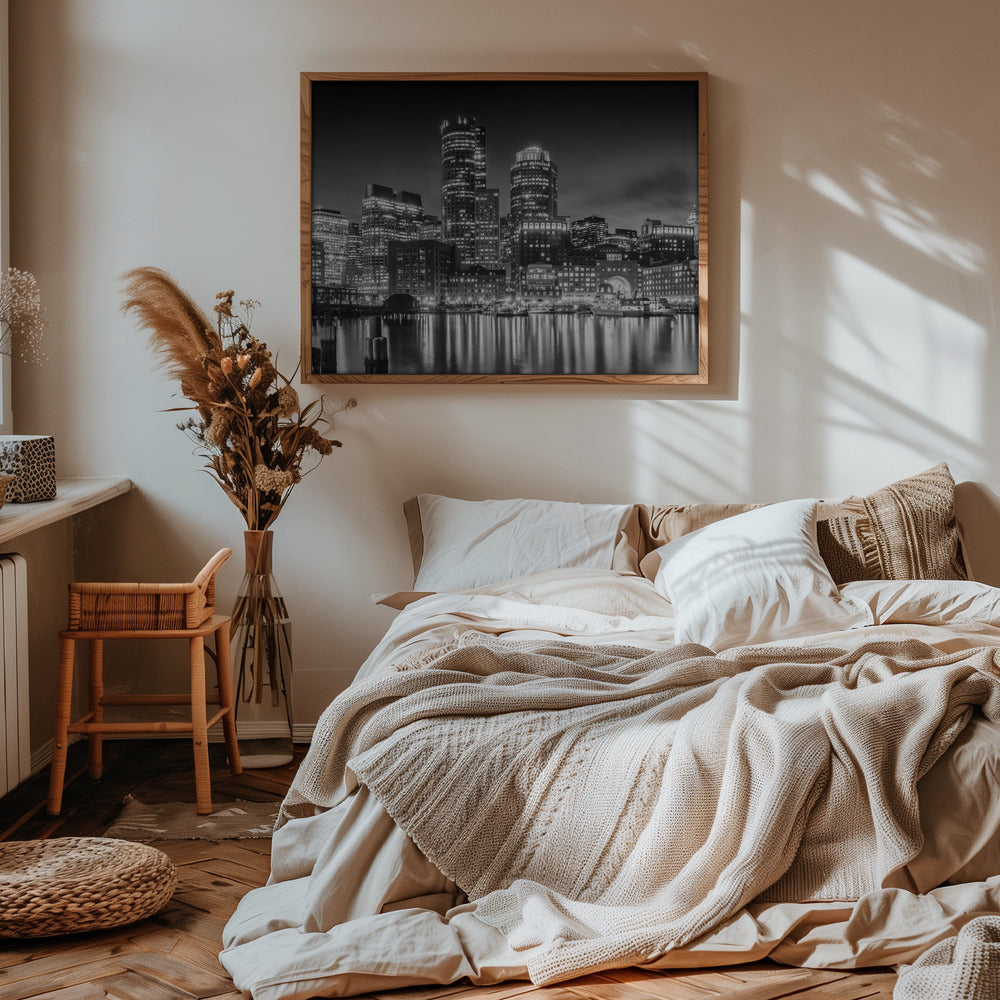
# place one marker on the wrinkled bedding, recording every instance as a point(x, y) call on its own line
point(353, 905)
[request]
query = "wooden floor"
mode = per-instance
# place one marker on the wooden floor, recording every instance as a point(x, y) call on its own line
point(173, 956)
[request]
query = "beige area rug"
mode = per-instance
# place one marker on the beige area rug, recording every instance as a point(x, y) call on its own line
point(179, 821)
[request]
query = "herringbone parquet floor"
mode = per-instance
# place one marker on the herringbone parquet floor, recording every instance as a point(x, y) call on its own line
point(173, 956)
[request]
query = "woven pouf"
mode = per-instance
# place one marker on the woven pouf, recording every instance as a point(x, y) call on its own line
point(73, 884)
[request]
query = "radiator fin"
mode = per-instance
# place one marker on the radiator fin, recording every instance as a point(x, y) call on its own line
point(15, 744)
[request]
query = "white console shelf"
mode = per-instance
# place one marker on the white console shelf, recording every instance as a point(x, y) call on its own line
point(72, 497)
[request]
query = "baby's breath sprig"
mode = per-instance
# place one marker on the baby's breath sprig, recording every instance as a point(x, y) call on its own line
point(22, 317)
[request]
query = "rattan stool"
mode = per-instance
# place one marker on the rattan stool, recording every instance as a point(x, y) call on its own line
point(72, 884)
point(100, 611)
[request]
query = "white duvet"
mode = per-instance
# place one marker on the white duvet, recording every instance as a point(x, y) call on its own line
point(352, 906)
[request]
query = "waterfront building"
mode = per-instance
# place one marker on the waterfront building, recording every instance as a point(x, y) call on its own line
point(576, 279)
point(541, 280)
point(674, 284)
point(543, 240)
point(475, 285)
point(463, 174)
point(330, 229)
point(534, 185)
point(618, 276)
point(328, 300)
point(386, 215)
point(587, 234)
point(420, 268)
point(661, 243)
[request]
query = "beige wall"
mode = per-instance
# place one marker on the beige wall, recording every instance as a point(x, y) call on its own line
point(854, 209)
point(6, 414)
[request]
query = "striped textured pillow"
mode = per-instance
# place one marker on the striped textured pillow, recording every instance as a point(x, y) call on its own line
point(904, 531)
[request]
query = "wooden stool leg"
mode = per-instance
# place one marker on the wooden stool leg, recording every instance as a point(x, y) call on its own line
point(199, 720)
point(64, 699)
point(95, 742)
point(224, 670)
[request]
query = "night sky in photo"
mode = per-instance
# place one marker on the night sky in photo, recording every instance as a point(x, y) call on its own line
point(624, 150)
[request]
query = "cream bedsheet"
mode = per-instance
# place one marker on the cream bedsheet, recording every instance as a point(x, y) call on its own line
point(352, 906)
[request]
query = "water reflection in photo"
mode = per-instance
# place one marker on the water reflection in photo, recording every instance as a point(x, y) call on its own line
point(537, 344)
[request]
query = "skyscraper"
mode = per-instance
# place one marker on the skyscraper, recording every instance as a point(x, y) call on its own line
point(488, 227)
point(385, 215)
point(534, 187)
point(352, 269)
point(587, 234)
point(330, 230)
point(463, 174)
point(535, 233)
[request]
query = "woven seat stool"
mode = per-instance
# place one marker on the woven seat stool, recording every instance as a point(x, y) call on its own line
point(102, 611)
point(68, 885)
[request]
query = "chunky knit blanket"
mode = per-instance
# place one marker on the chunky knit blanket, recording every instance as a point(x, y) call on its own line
point(604, 805)
point(965, 967)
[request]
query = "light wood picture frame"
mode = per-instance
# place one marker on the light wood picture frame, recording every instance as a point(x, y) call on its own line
point(504, 228)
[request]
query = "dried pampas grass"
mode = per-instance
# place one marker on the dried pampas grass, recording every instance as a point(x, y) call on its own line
point(250, 427)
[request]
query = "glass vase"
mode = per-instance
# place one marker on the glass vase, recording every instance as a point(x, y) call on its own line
point(262, 660)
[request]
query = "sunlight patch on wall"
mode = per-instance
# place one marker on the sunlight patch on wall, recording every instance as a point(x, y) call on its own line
point(824, 185)
point(684, 452)
point(919, 228)
point(906, 136)
point(899, 369)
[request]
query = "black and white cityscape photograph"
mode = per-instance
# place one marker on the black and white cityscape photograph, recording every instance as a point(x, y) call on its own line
point(502, 227)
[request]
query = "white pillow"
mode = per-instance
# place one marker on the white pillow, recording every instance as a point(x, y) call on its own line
point(752, 578)
point(470, 543)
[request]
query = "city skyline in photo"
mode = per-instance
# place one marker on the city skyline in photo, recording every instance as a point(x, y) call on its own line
point(624, 151)
point(504, 227)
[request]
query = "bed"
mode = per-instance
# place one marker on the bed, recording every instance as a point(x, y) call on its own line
point(602, 736)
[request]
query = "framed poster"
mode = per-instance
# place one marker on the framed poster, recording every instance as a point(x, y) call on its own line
point(504, 228)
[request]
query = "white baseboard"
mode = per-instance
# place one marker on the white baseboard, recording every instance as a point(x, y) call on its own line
point(41, 757)
point(301, 733)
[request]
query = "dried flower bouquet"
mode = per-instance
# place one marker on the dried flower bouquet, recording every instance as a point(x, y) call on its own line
point(257, 440)
point(250, 425)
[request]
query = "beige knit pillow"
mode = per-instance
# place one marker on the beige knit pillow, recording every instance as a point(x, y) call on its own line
point(904, 531)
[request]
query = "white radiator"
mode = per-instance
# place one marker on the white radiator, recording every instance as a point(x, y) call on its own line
point(15, 743)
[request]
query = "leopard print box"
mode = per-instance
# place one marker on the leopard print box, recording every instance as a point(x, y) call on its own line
point(31, 460)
